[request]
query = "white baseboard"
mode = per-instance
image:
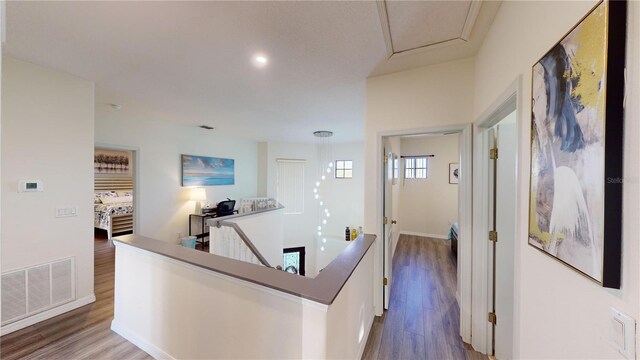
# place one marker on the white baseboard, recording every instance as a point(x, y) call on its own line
point(415, 233)
point(136, 340)
point(21, 324)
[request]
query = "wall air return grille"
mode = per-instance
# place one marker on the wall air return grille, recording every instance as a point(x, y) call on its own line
point(26, 292)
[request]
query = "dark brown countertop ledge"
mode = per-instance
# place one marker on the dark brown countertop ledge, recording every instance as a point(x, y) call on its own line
point(324, 288)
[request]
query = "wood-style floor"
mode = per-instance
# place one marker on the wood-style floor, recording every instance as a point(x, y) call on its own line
point(423, 319)
point(83, 333)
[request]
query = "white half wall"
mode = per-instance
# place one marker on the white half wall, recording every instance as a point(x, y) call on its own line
point(47, 135)
point(174, 310)
point(430, 206)
point(559, 313)
point(163, 204)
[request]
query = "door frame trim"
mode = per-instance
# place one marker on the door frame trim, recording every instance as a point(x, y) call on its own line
point(465, 215)
point(507, 102)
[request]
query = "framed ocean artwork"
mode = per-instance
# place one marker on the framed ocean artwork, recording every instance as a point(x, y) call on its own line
point(575, 197)
point(206, 171)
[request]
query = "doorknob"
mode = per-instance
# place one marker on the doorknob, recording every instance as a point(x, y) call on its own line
point(394, 221)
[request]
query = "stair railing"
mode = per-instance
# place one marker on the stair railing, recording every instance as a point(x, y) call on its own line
point(245, 240)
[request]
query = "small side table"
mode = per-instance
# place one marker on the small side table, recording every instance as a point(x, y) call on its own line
point(203, 237)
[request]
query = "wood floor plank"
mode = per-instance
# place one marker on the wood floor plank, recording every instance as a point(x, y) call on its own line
point(423, 319)
point(83, 333)
point(413, 316)
point(413, 346)
point(373, 343)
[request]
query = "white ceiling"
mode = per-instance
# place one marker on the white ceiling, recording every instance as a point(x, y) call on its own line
point(191, 62)
point(406, 22)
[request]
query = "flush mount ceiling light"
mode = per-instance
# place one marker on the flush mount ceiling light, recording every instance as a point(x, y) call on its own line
point(260, 60)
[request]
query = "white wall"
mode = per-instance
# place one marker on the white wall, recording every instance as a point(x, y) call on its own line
point(163, 205)
point(430, 205)
point(559, 313)
point(226, 318)
point(344, 199)
point(47, 135)
point(350, 317)
point(427, 97)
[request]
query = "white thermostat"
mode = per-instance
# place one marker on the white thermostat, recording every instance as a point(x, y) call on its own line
point(29, 186)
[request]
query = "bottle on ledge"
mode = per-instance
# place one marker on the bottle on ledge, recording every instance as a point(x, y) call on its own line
point(347, 234)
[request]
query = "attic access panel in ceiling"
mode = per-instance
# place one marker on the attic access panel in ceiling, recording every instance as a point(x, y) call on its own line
point(413, 26)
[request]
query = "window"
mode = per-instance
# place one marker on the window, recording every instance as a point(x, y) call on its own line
point(344, 169)
point(395, 169)
point(290, 189)
point(415, 168)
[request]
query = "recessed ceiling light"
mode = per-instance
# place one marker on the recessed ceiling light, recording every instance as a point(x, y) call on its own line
point(260, 60)
point(116, 106)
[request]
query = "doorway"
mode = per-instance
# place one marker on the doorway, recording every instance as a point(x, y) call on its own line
point(115, 191)
point(495, 211)
point(387, 170)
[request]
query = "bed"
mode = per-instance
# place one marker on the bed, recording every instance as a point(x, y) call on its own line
point(113, 205)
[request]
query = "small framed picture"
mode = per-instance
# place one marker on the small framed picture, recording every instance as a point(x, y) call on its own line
point(454, 173)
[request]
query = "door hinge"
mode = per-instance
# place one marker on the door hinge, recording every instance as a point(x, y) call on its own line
point(493, 153)
point(386, 159)
point(385, 281)
point(385, 220)
point(493, 236)
point(492, 318)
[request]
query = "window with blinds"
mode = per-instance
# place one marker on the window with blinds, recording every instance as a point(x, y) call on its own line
point(416, 168)
point(290, 188)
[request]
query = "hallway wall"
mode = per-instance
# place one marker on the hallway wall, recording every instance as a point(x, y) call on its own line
point(427, 97)
point(430, 205)
point(560, 313)
point(47, 135)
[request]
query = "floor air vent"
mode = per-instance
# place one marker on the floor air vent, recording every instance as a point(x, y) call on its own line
point(32, 290)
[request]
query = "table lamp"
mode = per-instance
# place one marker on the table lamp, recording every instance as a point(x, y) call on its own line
point(198, 195)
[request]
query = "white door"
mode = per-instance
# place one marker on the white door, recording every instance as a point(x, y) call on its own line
point(505, 227)
point(388, 234)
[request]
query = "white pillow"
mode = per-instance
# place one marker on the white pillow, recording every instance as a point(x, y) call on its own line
point(116, 200)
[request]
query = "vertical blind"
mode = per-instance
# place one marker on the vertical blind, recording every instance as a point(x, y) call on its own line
point(290, 188)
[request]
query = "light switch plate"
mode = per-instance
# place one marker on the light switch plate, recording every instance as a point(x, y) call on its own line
point(622, 333)
point(66, 211)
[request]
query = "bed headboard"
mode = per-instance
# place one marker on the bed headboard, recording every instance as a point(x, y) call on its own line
point(112, 183)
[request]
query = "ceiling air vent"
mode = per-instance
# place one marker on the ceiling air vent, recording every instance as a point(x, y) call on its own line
point(206, 127)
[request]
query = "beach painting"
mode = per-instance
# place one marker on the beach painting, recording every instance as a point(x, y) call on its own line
point(207, 171)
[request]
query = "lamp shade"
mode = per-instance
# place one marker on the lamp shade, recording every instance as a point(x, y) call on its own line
point(198, 194)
